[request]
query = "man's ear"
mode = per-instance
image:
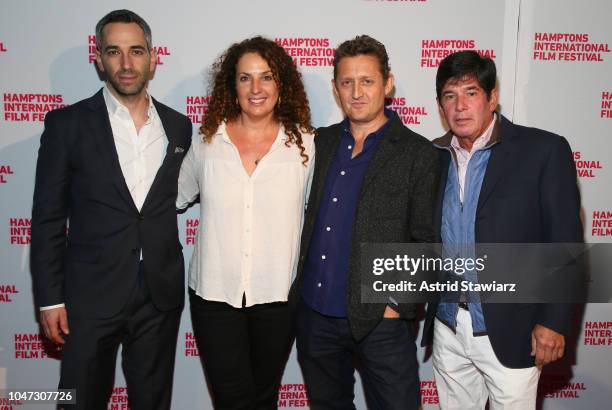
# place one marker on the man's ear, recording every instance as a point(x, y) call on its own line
point(493, 99)
point(335, 89)
point(153, 62)
point(98, 56)
point(390, 84)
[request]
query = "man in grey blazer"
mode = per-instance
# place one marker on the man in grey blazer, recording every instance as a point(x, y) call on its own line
point(374, 181)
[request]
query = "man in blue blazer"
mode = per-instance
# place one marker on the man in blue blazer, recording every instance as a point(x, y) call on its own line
point(109, 164)
point(500, 183)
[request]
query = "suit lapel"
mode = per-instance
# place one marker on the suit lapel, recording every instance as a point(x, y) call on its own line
point(326, 145)
point(168, 130)
point(499, 162)
point(386, 149)
point(324, 156)
point(100, 128)
point(445, 160)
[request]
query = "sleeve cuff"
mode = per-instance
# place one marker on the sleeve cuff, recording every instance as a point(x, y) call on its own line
point(52, 307)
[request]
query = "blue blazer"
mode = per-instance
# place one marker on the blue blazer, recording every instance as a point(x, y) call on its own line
point(94, 267)
point(529, 195)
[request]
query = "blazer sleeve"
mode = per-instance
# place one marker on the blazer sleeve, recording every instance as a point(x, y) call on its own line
point(49, 213)
point(310, 173)
point(560, 210)
point(424, 181)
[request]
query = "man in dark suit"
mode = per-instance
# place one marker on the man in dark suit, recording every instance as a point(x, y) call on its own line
point(374, 181)
point(500, 183)
point(109, 165)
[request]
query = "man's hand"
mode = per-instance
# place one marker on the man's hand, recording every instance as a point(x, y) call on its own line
point(55, 322)
point(546, 345)
point(390, 313)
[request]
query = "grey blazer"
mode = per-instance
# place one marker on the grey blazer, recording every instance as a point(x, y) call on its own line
point(396, 204)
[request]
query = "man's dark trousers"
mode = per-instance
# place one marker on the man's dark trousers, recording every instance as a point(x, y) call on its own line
point(386, 359)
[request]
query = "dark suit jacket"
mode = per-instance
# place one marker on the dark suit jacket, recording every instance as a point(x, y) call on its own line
point(93, 268)
point(395, 205)
point(529, 195)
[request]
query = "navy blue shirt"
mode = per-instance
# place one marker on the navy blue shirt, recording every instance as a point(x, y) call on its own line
point(325, 283)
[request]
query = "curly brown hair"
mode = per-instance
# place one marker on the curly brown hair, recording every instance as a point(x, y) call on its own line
point(292, 111)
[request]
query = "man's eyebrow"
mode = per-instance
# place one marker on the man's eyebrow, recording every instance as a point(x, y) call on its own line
point(114, 47)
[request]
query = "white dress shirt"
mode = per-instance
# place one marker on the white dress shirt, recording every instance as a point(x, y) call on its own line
point(250, 226)
point(140, 153)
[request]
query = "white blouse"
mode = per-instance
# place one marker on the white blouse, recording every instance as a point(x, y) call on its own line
point(249, 233)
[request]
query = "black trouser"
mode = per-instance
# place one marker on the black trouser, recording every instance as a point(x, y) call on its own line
point(387, 358)
point(148, 338)
point(243, 351)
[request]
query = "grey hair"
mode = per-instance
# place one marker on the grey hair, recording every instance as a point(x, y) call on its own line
point(122, 16)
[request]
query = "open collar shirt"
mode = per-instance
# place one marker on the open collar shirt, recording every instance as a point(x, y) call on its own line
point(250, 226)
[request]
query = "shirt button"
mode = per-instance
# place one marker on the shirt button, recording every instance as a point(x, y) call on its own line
point(319, 284)
point(342, 172)
point(246, 255)
point(334, 199)
point(323, 257)
point(248, 206)
point(350, 147)
point(328, 228)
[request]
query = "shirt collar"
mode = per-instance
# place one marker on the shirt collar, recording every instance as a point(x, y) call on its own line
point(375, 135)
point(114, 106)
point(481, 141)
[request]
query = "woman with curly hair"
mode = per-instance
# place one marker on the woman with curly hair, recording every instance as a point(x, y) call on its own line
point(251, 167)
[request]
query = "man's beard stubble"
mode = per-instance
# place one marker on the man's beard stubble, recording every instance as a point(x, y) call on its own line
point(130, 90)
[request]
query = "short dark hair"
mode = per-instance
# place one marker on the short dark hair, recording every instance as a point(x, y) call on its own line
point(466, 64)
point(122, 16)
point(361, 45)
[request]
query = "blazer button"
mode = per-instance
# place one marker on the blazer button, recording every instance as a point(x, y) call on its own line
point(141, 217)
point(134, 250)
